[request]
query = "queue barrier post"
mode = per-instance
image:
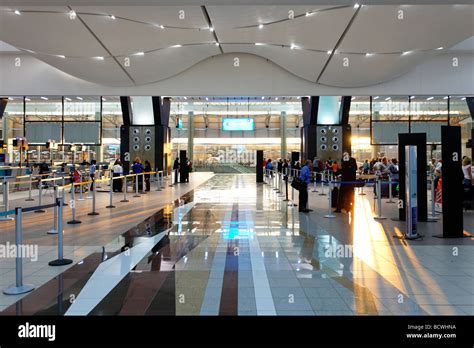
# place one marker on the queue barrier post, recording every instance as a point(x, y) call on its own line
point(158, 176)
point(315, 182)
point(124, 200)
point(390, 200)
point(433, 214)
point(378, 186)
point(292, 201)
point(30, 188)
point(19, 287)
point(93, 212)
point(74, 221)
point(143, 184)
point(40, 197)
point(330, 215)
point(322, 184)
point(286, 189)
point(6, 189)
point(111, 190)
point(54, 230)
point(136, 186)
point(60, 261)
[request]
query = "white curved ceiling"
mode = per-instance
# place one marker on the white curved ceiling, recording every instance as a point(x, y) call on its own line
point(328, 46)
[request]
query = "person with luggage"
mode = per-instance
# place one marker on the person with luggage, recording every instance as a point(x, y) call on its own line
point(305, 177)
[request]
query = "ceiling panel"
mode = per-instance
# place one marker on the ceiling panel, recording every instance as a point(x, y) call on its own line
point(52, 33)
point(124, 37)
point(365, 71)
point(105, 72)
point(319, 31)
point(302, 63)
point(378, 29)
point(168, 62)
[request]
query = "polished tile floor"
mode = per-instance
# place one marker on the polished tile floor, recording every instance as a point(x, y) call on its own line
point(232, 247)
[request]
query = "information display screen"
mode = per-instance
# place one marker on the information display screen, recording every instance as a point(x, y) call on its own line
point(238, 124)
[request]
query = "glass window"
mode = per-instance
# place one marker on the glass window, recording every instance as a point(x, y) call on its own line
point(390, 108)
point(429, 108)
point(12, 122)
point(43, 109)
point(359, 119)
point(81, 108)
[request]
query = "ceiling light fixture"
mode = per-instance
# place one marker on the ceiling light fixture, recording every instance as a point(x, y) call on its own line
point(445, 97)
point(211, 29)
point(207, 98)
point(440, 48)
point(369, 54)
point(260, 26)
point(356, 5)
point(103, 99)
point(140, 53)
point(217, 44)
point(162, 27)
point(293, 46)
point(44, 98)
point(412, 97)
point(10, 98)
point(308, 14)
point(430, 98)
point(388, 98)
point(263, 98)
point(72, 14)
point(68, 99)
point(463, 98)
point(377, 97)
point(79, 98)
point(17, 12)
point(259, 44)
point(405, 53)
point(276, 98)
point(99, 58)
point(185, 98)
point(353, 98)
point(27, 99)
point(176, 46)
point(112, 17)
point(61, 56)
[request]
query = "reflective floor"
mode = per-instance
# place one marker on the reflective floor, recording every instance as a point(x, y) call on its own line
point(232, 247)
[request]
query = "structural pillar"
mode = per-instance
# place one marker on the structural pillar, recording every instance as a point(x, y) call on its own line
point(283, 135)
point(191, 136)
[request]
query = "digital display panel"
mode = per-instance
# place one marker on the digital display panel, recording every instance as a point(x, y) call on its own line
point(238, 124)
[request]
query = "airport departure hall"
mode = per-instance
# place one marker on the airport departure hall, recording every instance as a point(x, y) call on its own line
point(184, 165)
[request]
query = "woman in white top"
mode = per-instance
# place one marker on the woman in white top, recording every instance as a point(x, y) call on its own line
point(467, 171)
point(117, 170)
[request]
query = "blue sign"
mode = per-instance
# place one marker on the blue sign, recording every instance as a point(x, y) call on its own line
point(238, 124)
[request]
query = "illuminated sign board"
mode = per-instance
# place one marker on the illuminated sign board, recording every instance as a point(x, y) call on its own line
point(238, 124)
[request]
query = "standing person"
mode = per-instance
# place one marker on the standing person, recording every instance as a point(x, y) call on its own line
point(348, 173)
point(92, 170)
point(392, 170)
point(366, 167)
point(315, 164)
point(147, 176)
point(264, 163)
point(117, 170)
point(186, 171)
point(269, 168)
point(176, 170)
point(280, 165)
point(467, 171)
point(305, 177)
point(137, 168)
point(286, 169)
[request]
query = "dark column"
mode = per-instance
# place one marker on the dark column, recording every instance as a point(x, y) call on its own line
point(259, 166)
point(452, 188)
point(126, 105)
point(182, 166)
point(418, 139)
point(125, 147)
point(161, 115)
point(295, 156)
point(470, 105)
point(308, 132)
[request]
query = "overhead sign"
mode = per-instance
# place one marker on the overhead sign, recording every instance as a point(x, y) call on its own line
point(238, 124)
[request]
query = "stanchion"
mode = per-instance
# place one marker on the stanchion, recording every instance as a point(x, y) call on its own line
point(286, 190)
point(73, 207)
point(93, 212)
point(124, 200)
point(315, 182)
point(111, 192)
point(29, 199)
point(81, 190)
point(322, 184)
point(433, 214)
point(6, 189)
point(158, 180)
point(19, 287)
point(143, 184)
point(40, 197)
point(60, 260)
point(330, 215)
point(163, 180)
point(54, 230)
point(292, 201)
point(379, 200)
point(136, 187)
point(362, 193)
point(390, 200)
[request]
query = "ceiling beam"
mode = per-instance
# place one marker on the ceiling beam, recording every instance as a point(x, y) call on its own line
point(209, 23)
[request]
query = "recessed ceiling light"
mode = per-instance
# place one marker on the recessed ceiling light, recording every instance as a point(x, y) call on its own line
point(112, 17)
point(79, 98)
point(72, 14)
point(27, 99)
point(430, 98)
point(369, 54)
point(377, 97)
point(329, 52)
point(176, 46)
point(293, 46)
point(259, 44)
point(353, 98)
point(463, 98)
point(185, 98)
point(308, 14)
point(99, 58)
point(388, 98)
point(44, 98)
point(440, 48)
point(103, 99)
point(211, 29)
point(207, 98)
point(445, 97)
point(140, 53)
point(405, 53)
point(217, 44)
point(260, 26)
point(162, 27)
point(412, 97)
point(10, 98)
point(68, 99)
point(298, 97)
point(17, 12)
point(263, 98)
point(356, 5)
point(276, 98)
point(61, 56)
